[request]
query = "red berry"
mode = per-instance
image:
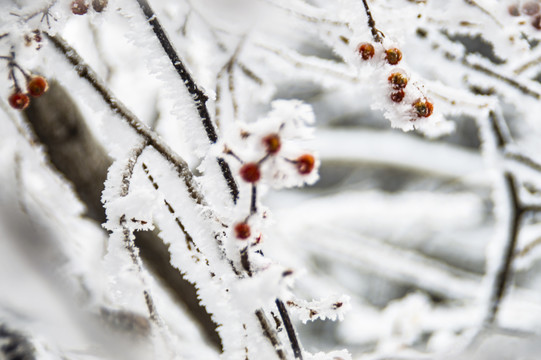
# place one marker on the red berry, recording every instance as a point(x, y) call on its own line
point(513, 10)
point(366, 51)
point(393, 56)
point(242, 231)
point(37, 85)
point(397, 96)
point(19, 101)
point(272, 143)
point(305, 164)
point(250, 172)
point(423, 108)
point(530, 8)
point(79, 7)
point(99, 5)
point(398, 80)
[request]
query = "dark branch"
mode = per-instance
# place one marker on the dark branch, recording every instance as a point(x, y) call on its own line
point(289, 329)
point(270, 334)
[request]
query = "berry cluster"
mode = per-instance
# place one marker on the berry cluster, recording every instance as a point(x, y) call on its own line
point(398, 80)
point(530, 8)
point(35, 86)
point(80, 7)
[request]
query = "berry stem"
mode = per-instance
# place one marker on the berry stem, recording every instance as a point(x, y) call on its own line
point(376, 34)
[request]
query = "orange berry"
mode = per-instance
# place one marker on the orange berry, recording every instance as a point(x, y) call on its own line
point(37, 86)
point(250, 172)
point(79, 7)
point(397, 96)
point(398, 80)
point(423, 108)
point(366, 51)
point(393, 56)
point(242, 231)
point(19, 101)
point(272, 143)
point(305, 164)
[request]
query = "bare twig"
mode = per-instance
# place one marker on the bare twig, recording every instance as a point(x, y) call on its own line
point(270, 334)
point(376, 34)
point(289, 329)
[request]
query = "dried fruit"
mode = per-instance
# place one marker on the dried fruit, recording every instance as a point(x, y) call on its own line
point(79, 7)
point(398, 96)
point(272, 143)
point(423, 108)
point(18, 100)
point(398, 80)
point(530, 8)
point(37, 85)
point(536, 22)
point(242, 231)
point(366, 51)
point(99, 5)
point(305, 164)
point(513, 10)
point(393, 56)
point(250, 172)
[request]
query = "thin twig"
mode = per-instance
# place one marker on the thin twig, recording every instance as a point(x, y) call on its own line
point(376, 34)
point(270, 334)
point(87, 73)
point(198, 96)
point(289, 329)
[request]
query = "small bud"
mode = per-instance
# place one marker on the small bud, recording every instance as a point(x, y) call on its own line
point(99, 5)
point(423, 108)
point(79, 7)
point(37, 86)
point(19, 101)
point(250, 172)
point(530, 8)
point(242, 231)
point(393, 56)
point(305, 164)
point(397, 96)
point(398, 80)
point(366, 51)
point(272, 143)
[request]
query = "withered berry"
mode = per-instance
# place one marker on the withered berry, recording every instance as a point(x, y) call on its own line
point(393, 56)
point(366, 51)
point(272, 143)
point(423, 108)
point(242, 231)
point(18, 100)
point(397, 96)
point(398, 80)
point(37, 86)
point(513, 10)
point(536, 22)
point(250, 172)
point(305, 164)
point(79, 7)
point(99, 5)
point(530, 8)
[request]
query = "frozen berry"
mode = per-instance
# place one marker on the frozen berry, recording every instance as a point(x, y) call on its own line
point(250, 172)
point(423, 108)
point(397, 96)
point(242, 231)
point(99, 5)
point(398, 80)
point(305, 164)
point(79, 7)
point(366, 51)
point(37, 85)
point(393, 56)
point(513, 10)
point(19, 101)
point(530, 8)
point(272, 143)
